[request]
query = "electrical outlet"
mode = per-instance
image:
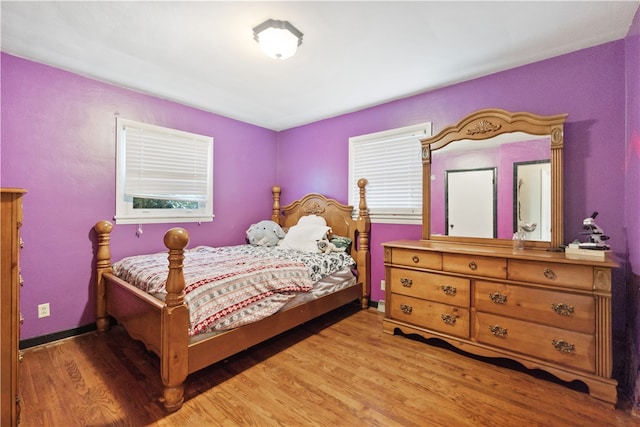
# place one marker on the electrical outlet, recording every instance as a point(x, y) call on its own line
point(382, 285)
point(381, 306)
point(43, 310)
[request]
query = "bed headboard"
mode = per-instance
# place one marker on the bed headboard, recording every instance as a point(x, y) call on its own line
point(339, 218)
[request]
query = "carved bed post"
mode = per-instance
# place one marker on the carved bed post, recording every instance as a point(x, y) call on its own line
point(103, 265)
point(364, 256)
point(275, 212)
point(175, 324)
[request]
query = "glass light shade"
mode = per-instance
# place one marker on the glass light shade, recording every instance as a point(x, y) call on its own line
point(278, 39)
point(278, 43)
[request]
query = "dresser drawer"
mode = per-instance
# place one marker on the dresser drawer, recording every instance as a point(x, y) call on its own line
point(413, 258)
point(548, 273)
point(557, 309)
point(432, 315)
point(475, 265)
point(555, 345)
point(432, 286)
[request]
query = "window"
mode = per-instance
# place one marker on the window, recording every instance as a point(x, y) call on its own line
point(391, 162)
point(163, 175)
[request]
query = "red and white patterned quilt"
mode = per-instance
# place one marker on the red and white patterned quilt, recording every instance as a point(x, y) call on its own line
point(229, 286)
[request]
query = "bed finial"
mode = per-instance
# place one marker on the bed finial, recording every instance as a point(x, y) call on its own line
point(176, 238)
point(362, 183)
point(103, 229)
point(275, 212)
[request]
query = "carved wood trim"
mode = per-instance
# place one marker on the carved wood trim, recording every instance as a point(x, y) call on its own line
point(483, 126)
point(602, 280)
point(604, 355)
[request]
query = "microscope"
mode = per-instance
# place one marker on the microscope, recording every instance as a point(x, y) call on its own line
point(596, 235)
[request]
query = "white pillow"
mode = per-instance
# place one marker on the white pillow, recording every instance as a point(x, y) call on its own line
point(311, 220)
point(305, 234)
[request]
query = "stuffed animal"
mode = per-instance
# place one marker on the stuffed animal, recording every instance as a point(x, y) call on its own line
point(265, 233)
point(325, 247)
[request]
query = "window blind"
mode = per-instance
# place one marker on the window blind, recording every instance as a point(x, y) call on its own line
point(165, 165)
point(391, 162)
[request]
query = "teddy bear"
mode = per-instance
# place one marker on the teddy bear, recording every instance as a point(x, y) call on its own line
point(325, 246)
point(265, 233)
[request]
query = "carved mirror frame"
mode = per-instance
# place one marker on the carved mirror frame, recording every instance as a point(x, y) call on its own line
point(485, 124)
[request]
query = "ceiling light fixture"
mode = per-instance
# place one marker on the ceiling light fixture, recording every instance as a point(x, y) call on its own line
point(278, 39)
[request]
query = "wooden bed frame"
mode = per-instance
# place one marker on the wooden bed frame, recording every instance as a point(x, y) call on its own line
point(163, 325)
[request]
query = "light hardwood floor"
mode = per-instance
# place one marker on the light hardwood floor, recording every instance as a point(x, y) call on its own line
point(339, 370)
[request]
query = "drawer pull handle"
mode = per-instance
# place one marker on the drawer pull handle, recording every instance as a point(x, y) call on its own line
point(407, 283)
point(497, 331)
point(563, 346)
point(498, 298)
point(449, 290)
point(549, 274)
point(563, 309)
point(406, 309)
point(415, 259)
point(473, 266)
point(449, 319)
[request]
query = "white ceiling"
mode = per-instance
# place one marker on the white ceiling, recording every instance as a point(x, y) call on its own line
point(354, 54)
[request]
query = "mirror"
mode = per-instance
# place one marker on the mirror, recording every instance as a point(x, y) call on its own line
point(492, 174)
point(515, 166)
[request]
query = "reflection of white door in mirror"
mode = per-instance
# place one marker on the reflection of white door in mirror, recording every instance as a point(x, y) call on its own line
point(532, 183)
point(465, 188)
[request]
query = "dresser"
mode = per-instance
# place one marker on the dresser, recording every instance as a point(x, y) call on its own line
point(11, 280)
point(532, 306)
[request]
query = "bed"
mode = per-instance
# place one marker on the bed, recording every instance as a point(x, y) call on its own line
point(163, 324)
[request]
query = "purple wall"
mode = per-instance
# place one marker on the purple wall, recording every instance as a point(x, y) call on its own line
point(58, 142)
point(632, 159)
point(588, 84)
point(632, 201)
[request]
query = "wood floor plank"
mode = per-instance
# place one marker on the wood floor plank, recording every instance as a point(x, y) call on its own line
point(338, 370)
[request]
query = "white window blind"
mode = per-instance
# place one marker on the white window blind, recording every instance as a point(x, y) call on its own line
point(165, 164)
point(391, 162)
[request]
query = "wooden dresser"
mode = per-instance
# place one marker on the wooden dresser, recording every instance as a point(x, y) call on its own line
point(11, 280)
point(532, 306)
